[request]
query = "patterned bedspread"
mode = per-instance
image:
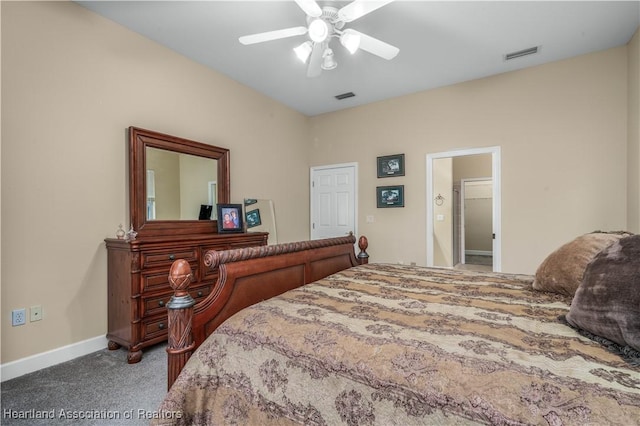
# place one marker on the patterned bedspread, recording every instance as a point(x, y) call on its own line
point(388, 344)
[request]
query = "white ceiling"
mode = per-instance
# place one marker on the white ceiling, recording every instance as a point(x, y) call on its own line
point(440, 42)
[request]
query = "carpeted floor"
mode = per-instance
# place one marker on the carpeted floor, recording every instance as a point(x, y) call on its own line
point(478, 259)
point(100, 385)
point(476, 263)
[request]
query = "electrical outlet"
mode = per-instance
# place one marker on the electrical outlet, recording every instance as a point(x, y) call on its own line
point(36, 313)
point(18, 317)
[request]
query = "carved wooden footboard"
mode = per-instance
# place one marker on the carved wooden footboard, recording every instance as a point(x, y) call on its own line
point(245, 277)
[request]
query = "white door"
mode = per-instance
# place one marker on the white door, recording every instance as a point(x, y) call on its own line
point(333, 200)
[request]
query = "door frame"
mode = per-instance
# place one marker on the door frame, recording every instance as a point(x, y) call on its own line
point(497, 203)
point(312, 197)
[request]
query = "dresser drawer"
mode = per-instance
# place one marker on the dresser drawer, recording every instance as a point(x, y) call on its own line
point(210, 275)
point(158, 304)
point(155, 305)
point(159, 279)
point(201, 292)
point(166, 257)
point(155, 327)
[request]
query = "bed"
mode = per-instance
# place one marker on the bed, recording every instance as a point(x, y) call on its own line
point(384, 344)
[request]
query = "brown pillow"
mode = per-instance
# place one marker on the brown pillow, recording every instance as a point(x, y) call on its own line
point(607, 303)
point(562, 271)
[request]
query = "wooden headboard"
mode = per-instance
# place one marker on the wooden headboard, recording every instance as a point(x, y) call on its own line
point(245, 277)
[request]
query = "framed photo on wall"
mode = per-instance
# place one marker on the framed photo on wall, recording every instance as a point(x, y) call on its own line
point(230, 218)
point(391, 165)
point(390, 196)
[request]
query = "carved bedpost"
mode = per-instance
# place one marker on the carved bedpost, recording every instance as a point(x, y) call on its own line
point(363, 256)
point(180, 315)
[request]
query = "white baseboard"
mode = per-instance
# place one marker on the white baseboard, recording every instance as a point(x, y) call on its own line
point(13, 369)
point(478, 253)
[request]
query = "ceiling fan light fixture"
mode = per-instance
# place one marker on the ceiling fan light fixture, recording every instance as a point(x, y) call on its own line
point(350, 41)
point(318, 30)
point(303, 51)
point(323, 24)
point(328, 61)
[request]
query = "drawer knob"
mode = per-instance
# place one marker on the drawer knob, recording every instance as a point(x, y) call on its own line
point(161, 303)
point(199, 294)
point(172, 257)
point(161, 326)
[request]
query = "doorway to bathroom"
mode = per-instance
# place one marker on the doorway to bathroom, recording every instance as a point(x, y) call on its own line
point(449, 175)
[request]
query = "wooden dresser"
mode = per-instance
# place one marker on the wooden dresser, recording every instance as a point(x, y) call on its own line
point(139, 288)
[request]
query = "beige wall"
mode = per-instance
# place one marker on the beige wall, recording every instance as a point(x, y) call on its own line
point(73, 82)
point(195, 175)
point(166, 182)
point(562, 129)
point(472, 166)
point(633, 159)
point(443, 214)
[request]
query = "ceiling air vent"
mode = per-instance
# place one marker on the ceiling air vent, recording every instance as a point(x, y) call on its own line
point(345, 96)
point(521, 53)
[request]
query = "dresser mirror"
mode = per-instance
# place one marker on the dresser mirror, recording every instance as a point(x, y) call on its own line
point(260, 216)
point(175, 183)
point(178, 184)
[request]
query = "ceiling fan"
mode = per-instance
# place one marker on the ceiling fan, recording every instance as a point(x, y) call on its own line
point(326, 23)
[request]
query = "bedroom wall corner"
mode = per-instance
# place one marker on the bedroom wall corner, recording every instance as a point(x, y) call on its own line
point(633, 156)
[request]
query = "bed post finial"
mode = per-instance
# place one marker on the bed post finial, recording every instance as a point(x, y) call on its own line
point(180, 314)
point(363, 256)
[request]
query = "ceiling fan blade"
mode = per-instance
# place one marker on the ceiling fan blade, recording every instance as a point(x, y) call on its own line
point(310, 7)
point(375, 46)
point(315, 61)
point(272, 35)
point(359, 8)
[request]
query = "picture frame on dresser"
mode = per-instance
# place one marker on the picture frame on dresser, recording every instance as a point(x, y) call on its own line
point(253, 218)
point(230, 218)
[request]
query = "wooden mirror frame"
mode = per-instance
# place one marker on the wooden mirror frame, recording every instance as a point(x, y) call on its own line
point(139, 140)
